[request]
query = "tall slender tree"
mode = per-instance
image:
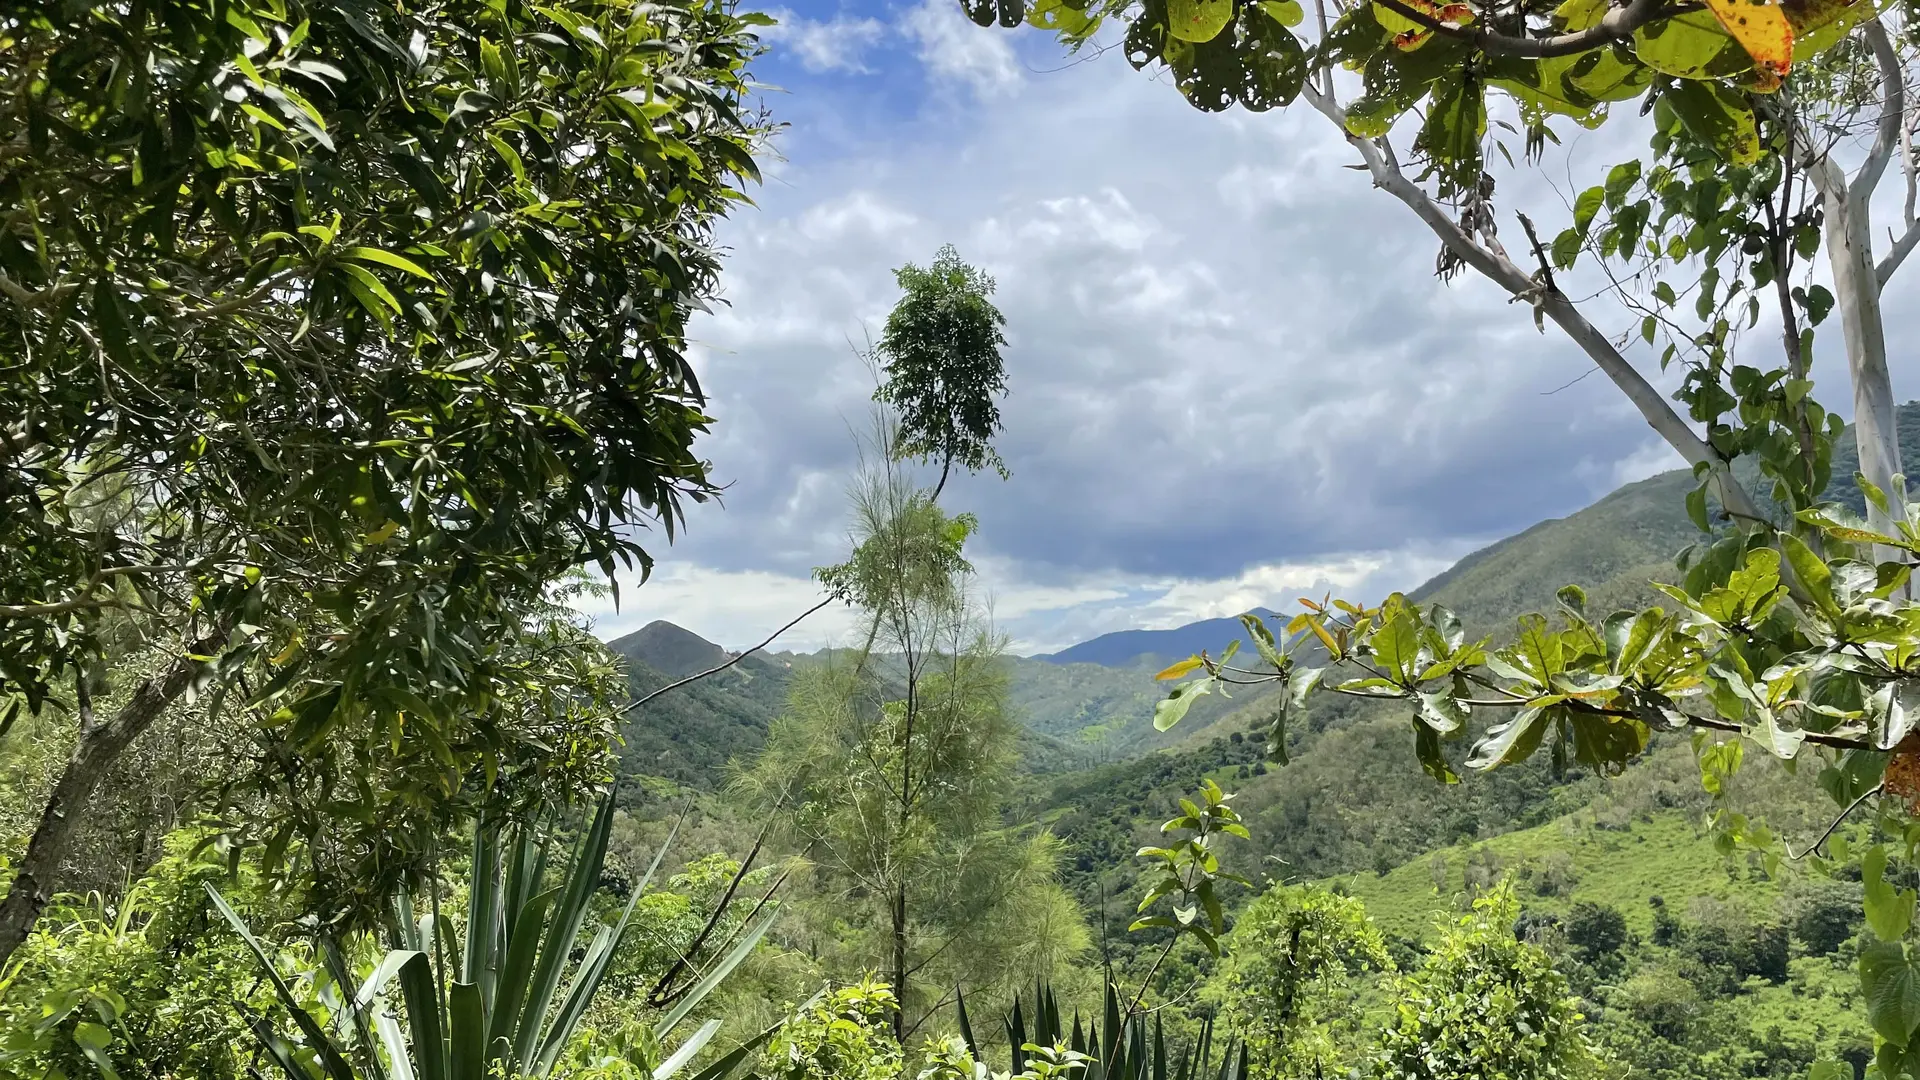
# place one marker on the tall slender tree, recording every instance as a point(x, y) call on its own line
point(941, 356)
point(894, 763)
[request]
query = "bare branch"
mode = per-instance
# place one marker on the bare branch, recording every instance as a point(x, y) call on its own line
point(1893, 111)
point(1653, 407)
point(1617, 23)
point(1897, 254)
point(717, 669)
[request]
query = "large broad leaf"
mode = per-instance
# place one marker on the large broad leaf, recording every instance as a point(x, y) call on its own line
point(1761, 28)
point(1198, 20)
point(1690, 46)
point(1889, 910)
point(1170, 711)
point(1891, 985)
point(1514, 740)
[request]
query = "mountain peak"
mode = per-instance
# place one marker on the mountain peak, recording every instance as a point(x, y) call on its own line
point(1125, 647)
point(672, 650)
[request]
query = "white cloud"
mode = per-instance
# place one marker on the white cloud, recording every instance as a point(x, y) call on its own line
point(1234, 379)
point(838, 44)
point(954, 49)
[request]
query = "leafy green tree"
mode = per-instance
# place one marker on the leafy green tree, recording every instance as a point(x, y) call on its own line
point(1485, 1004)
point(1287, 983)
point(891, 768)
point(338, 332)
point(941, 356)
point(843, 1035)
point(1595, 929)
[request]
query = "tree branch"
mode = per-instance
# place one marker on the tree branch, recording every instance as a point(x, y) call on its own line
point(1893, 112)
point(1844, 815)
point(1653, 407)
point(697, 676)
point(1897, 254)
point(1617, 23)
point(37, 876)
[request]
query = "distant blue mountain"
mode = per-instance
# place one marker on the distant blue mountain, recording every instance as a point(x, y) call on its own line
point(1124, 647)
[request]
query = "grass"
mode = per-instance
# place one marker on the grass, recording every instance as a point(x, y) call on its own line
point(1576, 857)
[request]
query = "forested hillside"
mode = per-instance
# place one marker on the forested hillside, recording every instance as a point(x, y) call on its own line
point(355, 354)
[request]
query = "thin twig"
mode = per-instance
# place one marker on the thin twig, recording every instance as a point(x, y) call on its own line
point(697, 676)
point(1844, 814)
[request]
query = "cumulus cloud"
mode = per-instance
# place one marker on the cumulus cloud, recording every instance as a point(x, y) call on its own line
point(954, 49)
point(1234, 378)
point(837, 44)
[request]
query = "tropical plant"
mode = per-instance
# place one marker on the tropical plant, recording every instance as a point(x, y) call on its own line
point(1187, 876)
point(133, 985)
point(844, 1034)
point(1116, 1046)
point(891, 767)
point(499, 1006)
point(1285, 985)
point(940, 352)
point(1485, 1004)
point(337, 332)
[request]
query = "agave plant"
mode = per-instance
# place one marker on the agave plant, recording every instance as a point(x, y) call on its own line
point(497, 1014)
point(1118, 1047)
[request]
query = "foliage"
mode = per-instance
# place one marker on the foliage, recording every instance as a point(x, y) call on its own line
point(1116, 1046)
point(135, 985)
point(499, 1005)
point(843, 1035)
point(343, 331)
point(1187, 873)
point(1286, 986)
point(1485, 1005)
point(940, 352)
point(891, 767)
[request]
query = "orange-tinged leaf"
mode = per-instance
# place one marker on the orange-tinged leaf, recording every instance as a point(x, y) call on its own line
point(1319, 631)
point(1761, 28)
point(1191, 663)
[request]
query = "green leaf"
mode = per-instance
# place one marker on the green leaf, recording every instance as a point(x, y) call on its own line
point(1198, 20)
point(1889, 910)
point(1512, 741)
point(92, 1036)
point(1168, 712)
point(1812, 571)
point(1287, 13)
point(1586, 206)
point(386, 258)
point(1892, 989)
point(1690, 46)
point(372, 286)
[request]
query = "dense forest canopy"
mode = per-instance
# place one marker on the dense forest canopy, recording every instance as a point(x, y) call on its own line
point(348, 358)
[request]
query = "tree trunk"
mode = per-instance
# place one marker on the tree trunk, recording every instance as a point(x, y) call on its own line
point(900, 961)
point(99, 746)
point(1856, 291)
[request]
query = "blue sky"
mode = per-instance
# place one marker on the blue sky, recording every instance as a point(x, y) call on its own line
point(1234, 378)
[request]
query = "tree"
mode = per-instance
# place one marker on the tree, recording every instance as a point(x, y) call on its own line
point(1485, 1004)
point(941, 356)
point(1285, 985)
point(892, 766)
point(338, 333)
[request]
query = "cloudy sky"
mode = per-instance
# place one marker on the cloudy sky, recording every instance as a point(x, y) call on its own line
point(1234, 377)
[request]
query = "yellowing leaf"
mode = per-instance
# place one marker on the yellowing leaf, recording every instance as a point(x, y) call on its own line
point(1198, 20)
point(1761, 28)
point(384, 533)
point(286, 654)
point(1190, 664)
